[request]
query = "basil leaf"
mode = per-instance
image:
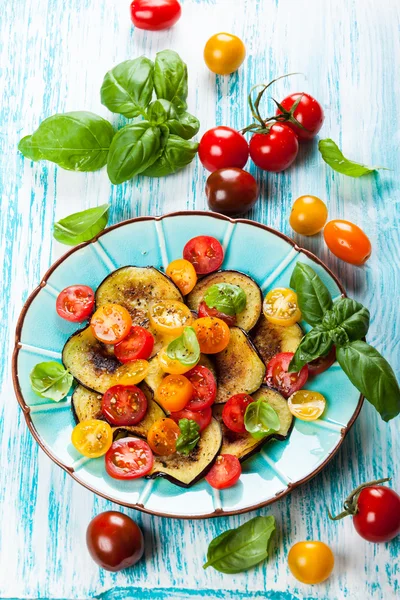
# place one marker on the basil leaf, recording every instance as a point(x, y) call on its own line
point(81, 226)
point(333, 156)
point(185, 348)
point(225, 297)
point(160, 111)
point(240, 549)
point(189, 436)
point(127, 89)
point(176, 154)
point(372, 376)
point(260, 418)
point(347, 321)
point(314, 344)
point(171, 78)
point(51, 380)
point(313, 296)
point(185, 125)
point(76, 141)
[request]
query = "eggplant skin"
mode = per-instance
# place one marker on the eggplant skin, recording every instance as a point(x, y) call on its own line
point(248, 318)
point(156, 373)
point(270, 339)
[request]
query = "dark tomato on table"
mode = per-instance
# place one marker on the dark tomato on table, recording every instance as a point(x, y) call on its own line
point(223, 147)
point(276, 150)
point(347, 241)
point(225, 472)
point(206, 311)
point(204, 388)
point(114, 541)
point(137, 344)
point(234, 411)
point(155, 15)
point(378, 514)
point(205, 253)
point(231, 191)
point(129, 458)
point(75, 303)
point(202, 417)
point(321, 364)
point(278, 377)
point(124, 405)
point(308, 113)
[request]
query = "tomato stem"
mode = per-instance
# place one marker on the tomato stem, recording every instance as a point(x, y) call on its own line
point(351, 503)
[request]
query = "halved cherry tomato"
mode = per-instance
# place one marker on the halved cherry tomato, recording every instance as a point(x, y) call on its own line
point(281, 307)
point(170, 317)
point(92, 438)
point(174, 392)
point(234, 410)
point(206, 311)
point(183, 274)
point(205, 253)
point(347, 241)
point(213, 334)
point(132, 373)
point(75, 303)
point(225, 472)
point(202, 417)
point(137, 344)
point(308, 113)
point(308, 216)
point(224, 53)
point(321, 364)
point(171, 365)
point(162, 437)
point(278, 377)
point(204, 388)
point(223, 148)
point(311, 562)
point(154, 15)
point(306, 405)
point(124, 405)
point(111, 323)
point(129, 458)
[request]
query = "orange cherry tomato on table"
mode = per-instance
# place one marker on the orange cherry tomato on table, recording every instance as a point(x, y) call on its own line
point(172, 365)
point(234, 411)
point(280, 307)
point(92, 437)
point(170, 317)
point(347, 241)
point(205, 253)
point(278, 377)
point(225, 472)
point(224, 53)
point(311, 562)
point(223, 148)
point(162, 437)
point(129, 458)
point(155, 15)
point(174, 392)
point(75, 303)
point(206, 311)
point(276, 150)
point(306, 405)
point(212, 334)
point(111, 323)
point(204, 388)
point(202, 417)
point(138, 344)
point(124, 405)
point(183, 274)
point(308, 216)
point(308, 113)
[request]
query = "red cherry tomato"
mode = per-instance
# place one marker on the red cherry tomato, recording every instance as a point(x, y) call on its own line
point(205, 253)
point(75, 303)
point(138, 344)
point(206, 311)
point(276, 150)
point(234, 410)
point(231, 191)
point(308, 112)
point(129, 458)
point(347, 241)
point(114, 541)
point(223, 147)
point(278, 377)
point(124, 405)
point(225, 472)
point(204, 388)
point(378, 515)
point(202, 417)
point(155, 15)
point(321, 364)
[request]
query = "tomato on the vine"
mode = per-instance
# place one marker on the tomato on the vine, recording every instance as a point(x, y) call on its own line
point(223, 147)
point(308, 113)
point(224, 53)
point(276, 149)
point(75, 303)
point(347, 241)
point(279, 378)
point(155, 15)
point(231, 191)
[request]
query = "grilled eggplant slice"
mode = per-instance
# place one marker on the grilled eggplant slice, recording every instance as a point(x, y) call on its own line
point(239, 367)
point(244, 445)
point(156, 374)
point(246, 319)
point(270, 339)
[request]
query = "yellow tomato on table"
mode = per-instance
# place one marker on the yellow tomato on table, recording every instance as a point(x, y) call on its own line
point(309, 215)
point(311, 562)
point(224, 53)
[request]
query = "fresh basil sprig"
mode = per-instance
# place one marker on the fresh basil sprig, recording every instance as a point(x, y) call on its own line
point(334, 157)
point(185, 348)
point(81, 226)
point(226, 298)
point(127, 89)
point(171, 78)
point(313, 296)
point(51, 380)
point(260, 419)
point(189, 436)
point(176, 154)
point(240, 549)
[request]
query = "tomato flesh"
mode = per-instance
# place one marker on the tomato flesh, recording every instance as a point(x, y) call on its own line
point(347, 241)
point(308, 113)
point(280, 307)
point(225, 472)
point(274, 151)
point(75, 303)
point(204, 388)
point(206, 311)
point(212, 334)
point(222, 148)
point(155, 15)
point(278, 377)
point(92, 437)
point(183, 274)
point(378, 515)
point(202, 417)
point(170, 317)
point(205, 253)
point(174, 392)
point(129, 458)
point(234, 411)
point(124, 405)
point(162, 437)
point(138, 344)
point(111, 323)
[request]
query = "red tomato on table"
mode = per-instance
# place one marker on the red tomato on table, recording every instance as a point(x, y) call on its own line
point(276, 150)
point(155, 15)
point(308, 113)
point(223, 147)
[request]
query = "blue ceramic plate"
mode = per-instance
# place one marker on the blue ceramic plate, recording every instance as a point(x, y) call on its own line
point(268, 257)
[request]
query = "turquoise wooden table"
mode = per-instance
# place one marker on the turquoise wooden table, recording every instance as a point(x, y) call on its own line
point(53, 58)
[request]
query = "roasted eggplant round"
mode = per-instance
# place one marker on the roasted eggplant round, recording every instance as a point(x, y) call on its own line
point(270, 339)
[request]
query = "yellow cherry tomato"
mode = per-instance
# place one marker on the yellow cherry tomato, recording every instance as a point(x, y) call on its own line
point(183, 274)
point(224, 53)
point(311, 562)
point(174, 392)
point(308, 216)
point(212, 334)
point(170, 317)
point(307, 405)
point(131, 373)
point(92, 438)
point(172, 366)
point(162, 437)
point(281, 308)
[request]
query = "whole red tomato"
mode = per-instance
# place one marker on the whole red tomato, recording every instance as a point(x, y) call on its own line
point(223, 147)
point(155, 15)
point(308, 113)
point(276, 149)
point(231, 191)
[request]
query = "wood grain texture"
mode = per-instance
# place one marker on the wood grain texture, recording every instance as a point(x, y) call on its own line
point(53, 57)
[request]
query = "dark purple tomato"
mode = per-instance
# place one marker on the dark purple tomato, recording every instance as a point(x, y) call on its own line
point(231, 191)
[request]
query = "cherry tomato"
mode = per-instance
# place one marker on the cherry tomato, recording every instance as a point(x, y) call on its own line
point(155, 15)
point(162, 437)
point(222, 148)
point(206, 311)
point(231, 191)
point(174, 392)
point(183, 274)
point(311, 562)
point(276, 150)
point(278, 377)
point(138, 344)
point(225, 472)
point(204, 388)
point(114, 541)
point(347, 241)
point(92, 438)
point(202, 417)
point(172, 365)
point(75, 303)
point(308, 216)
point(132, 373)
point(308, 113)
point(280, 307)
point(170, 317)
point(212, 334)
point(224, 53)
point(124, 405)
point(321, 364)
point(234, 410)
point(205, 253)
point(111, 323)
point(129, 458)
point(306, 405)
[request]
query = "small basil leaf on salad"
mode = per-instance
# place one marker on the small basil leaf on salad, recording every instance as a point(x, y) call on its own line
point(176, 154)
point(226, 298)
point(313, 296)
point(81, 226)
point(240, 549)
point(185, 348)
point(260, 419)
point(334, 157)
point(171, 78)
point(51, 380)
point(184, 125)
point(127, 89)
point(189, 436)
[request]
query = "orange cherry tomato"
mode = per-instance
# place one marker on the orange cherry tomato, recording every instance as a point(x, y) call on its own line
point(162, 437)
point(311, 562)
point(111, 323)
point(171, 365)
point(308, 216)
point(183, 274)
point(224, 53)
point(170, 317)
point(213, 334)
point(281, 308)
point(174, 392)
point(347, 241)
